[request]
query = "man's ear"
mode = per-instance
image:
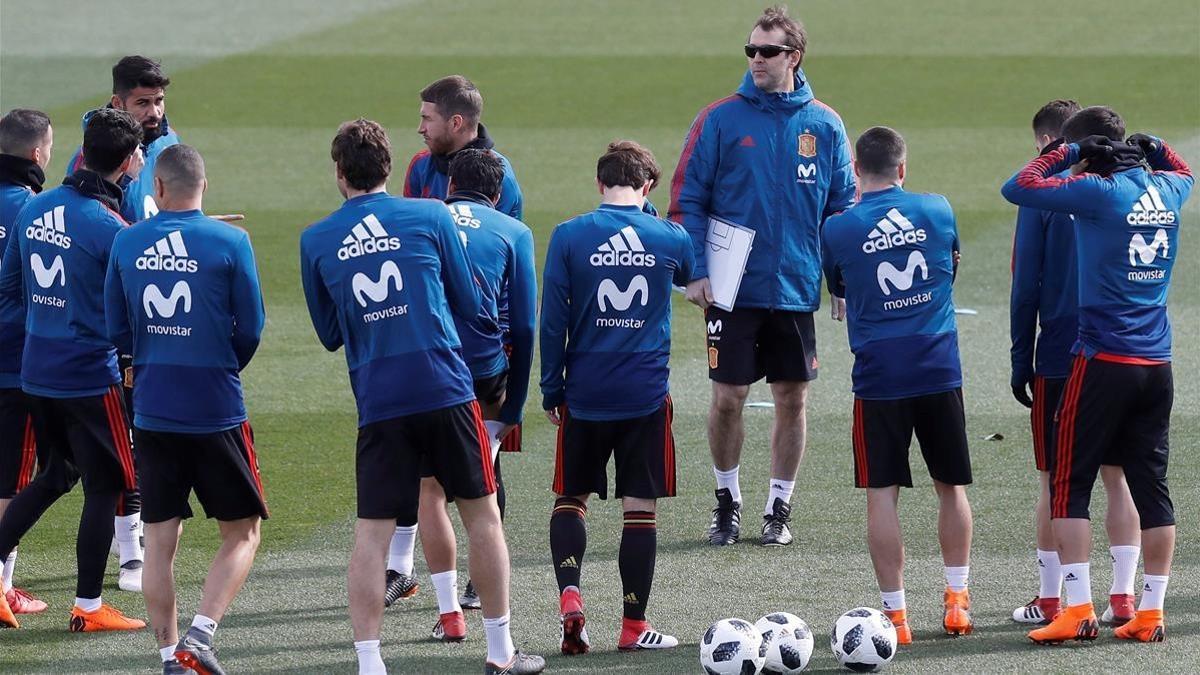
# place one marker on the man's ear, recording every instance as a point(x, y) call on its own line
point(116, 102)
point(160, 190)
point(599, 186)
point(204, 186)
point(496, 199)
point(900, 170)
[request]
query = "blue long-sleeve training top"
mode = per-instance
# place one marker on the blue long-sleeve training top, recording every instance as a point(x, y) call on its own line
point(382, 276)
point(891, 256)
point(13, 197)
point(1126, 240)
point(138, 201)
point(606, 312)
point(428, 176)
point(182, 296)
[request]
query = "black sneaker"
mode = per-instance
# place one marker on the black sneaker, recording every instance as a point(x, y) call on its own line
point(726, 524)
point(470, 598)
point(775, 530)
point(173, 667)
point(521, 664)
point(195, 652)
point(399, 586)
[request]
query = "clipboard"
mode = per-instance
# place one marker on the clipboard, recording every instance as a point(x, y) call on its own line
point(727, 247)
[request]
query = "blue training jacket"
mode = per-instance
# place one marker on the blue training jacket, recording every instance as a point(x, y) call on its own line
point(892, 257)
point(427, 177)
point(138, 203)
point(382, 276)
point(500, 249)
point(12, 312)
point(779, 164)
point(182, 295)
point(1126, 240)
point(55, 266)
point(606, 312)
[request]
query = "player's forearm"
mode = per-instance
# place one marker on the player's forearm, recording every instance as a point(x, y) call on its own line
point(1037, 185)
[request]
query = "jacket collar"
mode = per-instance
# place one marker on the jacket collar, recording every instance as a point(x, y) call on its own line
point(783, 101)
point(482, 142)
point(24, 172)
point(93, 186)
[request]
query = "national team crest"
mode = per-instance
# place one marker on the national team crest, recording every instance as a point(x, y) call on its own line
point(712, 358)
point(807, 145)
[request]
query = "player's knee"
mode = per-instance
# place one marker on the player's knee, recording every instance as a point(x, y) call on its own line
point(728, 399)
point(638, 504)
point(791, 398)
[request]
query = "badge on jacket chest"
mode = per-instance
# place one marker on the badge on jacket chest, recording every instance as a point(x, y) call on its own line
point(806, 145)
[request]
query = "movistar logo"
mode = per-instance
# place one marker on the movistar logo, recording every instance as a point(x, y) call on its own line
point(623, 249)
point(1149, 209)
point(153, 300)
point(365, 288)
point(167, 255)
point(609, 293)
point(46, 275)
point(367, 237)
point(51, 228)
point(902, 280)
point(1140, 250)
point(891, 231)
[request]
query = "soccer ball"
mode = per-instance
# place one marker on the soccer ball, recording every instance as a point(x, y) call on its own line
point(863, 639)
point(789, 643)
point(732, 647)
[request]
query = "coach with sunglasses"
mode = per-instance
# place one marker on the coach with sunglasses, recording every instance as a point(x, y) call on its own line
point(773, 159)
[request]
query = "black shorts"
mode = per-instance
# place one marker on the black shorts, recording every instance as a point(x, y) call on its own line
point(452, 442)
point(221, 467)
point(644, 448)
point(749, 343)
point(1120, 411)
point(490, 390)
point(91, 434)
point(18, 452)
point(883, 431)
point(1047, 391)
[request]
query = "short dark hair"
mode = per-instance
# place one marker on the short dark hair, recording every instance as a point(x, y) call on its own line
point(629, 164)
point(776, 16)
point(879, 151)
point(180, 167)
point(136, 71)
point(455, 95)
point(1097, 120)
point(109, 138)
point(1050, 118)
point(477, 170)
point(363, 153)
point(22, 130)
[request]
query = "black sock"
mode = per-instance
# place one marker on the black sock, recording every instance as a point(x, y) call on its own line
point(130, 503)
point(53, 481)
point(568, 540)
point(639, 541)
point(95, 535)
point(500, 500)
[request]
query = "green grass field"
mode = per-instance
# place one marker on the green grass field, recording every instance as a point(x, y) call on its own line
point(259, 88)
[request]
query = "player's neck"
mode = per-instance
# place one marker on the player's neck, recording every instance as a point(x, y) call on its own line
point(866, 184)
point(185, 203)
point(464, 141)
point(351, 193)
point(622, 196)
point(111, 177)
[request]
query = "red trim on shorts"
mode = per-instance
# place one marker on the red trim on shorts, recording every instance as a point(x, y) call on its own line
point(558, 453)
point(669, 449)
point(1128, 360)
point(485, 448)
point(1066, 438)
point(860, 445)
point(1038, 421)
point(119, 429)
point(252, 461)
point(512, 440)
point(28, 456)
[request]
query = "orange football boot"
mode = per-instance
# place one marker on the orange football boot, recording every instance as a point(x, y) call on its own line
point(1077, 622)
point(1147, 625)
point(105, 618)
point(7, 618)
point(958, 612)
point(899, 618)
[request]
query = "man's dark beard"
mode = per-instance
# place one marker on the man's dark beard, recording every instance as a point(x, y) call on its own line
point(150, 134)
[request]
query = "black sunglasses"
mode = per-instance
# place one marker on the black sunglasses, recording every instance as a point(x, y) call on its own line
point(768, 51)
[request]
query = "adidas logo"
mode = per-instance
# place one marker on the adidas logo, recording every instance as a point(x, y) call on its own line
point(891, 231)
point(631, 598)
point(367, 237)
point(1070, 577)
point(50, 228)
point(1149, 209)
point(569, 562)
point(167, 255)
point(624, 249)
point(747, 142)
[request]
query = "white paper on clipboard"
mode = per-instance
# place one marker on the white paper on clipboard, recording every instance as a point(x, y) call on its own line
point(727, 248)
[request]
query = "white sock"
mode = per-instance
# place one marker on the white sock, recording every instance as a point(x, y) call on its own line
point(493, 428)
point(892, 600)
point(956, 577)
point(1154, 590)
point(1050, 572)
point(400, 554)
point(167, 653)
point(204, 624)
point(781, 489)
point(88, 604)
point(128, 531)
point(500, 647)
point(6, 570)
point(1077, 579)
point(1124, 561)
point(370, 662)
point(729, 480)
point(445, 585)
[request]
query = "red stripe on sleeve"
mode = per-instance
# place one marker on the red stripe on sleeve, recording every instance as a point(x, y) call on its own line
point(408, 192)
point(689, 147)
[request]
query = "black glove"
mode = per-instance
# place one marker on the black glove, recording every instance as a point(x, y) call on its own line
point(1095, 148)
point(1021, 393)
point(1105, 157)
point(1148, 144)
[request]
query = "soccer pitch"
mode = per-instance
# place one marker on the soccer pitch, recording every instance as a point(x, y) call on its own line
point(260, 87)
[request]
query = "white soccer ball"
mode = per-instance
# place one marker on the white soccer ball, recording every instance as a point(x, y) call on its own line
point(789, 643)
point(863, 639)
point(732, 647)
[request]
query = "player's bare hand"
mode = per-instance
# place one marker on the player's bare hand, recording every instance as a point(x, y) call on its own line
point(837, 308)
point(229, 217)
point(136, 163)
point(555, 416)
point(699, 293)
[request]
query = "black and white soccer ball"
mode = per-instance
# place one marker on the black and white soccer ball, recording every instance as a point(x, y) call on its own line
point(732, 647)
point(863, 639)
point(789, 643)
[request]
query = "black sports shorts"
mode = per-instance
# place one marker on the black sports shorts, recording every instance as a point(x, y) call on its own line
point(644, 448)
point(883, 431)
point(750, 343)
point(18, 451)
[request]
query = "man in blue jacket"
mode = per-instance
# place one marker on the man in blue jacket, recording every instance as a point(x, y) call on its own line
point(773, 159)
point(1117, 400)
point(54, 265)
point(26, 139)
point(384, 277)
point(1045, 294)
point(182, 296)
